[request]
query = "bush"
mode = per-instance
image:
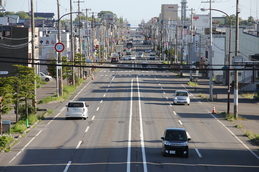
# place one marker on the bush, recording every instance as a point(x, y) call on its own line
point(22, 110)
point(4, 142)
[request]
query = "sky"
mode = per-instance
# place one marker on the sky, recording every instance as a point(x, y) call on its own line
point(135, 10)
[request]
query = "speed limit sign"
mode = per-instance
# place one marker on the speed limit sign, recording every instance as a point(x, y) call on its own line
point(59, 47)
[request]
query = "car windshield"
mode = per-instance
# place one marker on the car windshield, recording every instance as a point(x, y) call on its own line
point(75, 105)
point(175, 135)
point(181, 94)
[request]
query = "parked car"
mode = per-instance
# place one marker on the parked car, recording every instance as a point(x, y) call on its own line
point(45, 77)
point(77, 109)
point(181, 97)
point(175, 142)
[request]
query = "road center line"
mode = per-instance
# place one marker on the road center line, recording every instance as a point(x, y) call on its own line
point(68, 164)
point(141, 131)
point(130, 128)
point(197, 151)
point(87, 128)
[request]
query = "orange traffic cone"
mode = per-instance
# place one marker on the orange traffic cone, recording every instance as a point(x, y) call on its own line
point(92, 77)
point(214, 110)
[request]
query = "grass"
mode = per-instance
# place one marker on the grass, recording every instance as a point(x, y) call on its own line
point(253, 137)
point(248, 95)
point(192, 83)
point(231, 117)
point(5, 140)
point(202, 96)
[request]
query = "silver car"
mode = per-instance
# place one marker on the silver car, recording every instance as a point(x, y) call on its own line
point(181, 97)
point(77, 109)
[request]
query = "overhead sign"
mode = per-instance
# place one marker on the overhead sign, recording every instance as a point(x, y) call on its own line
point(59, 47)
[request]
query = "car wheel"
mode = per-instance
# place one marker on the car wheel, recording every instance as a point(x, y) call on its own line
point(47, 79)
point(84, 118)
point(163, 153)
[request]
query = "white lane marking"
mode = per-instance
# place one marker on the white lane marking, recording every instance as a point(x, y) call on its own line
point(81, 90)
point(56, 115)
point(130, 125)
point(101, 101)
point(104, 95)
point(180, 122)
point(166, 98)
point(93, 118)
point(106, 90)
point(78, 145)
point(108, 85)
point(163, 92)
point(235, 136)
point(174, 113)
point(197, 151)
point(67, 166)
point(170, 104)
point(141, 131)
point(97, 109)
point(24, 147)
point(87, 128)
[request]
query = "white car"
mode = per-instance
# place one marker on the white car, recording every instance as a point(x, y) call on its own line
point(127, 57)
point(45, 77)
point(152, 56)
point(132, 57)
point(140, 54)
point(181, 97)
point(77, 109)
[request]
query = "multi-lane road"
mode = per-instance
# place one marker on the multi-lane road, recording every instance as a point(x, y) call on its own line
point(128, 112)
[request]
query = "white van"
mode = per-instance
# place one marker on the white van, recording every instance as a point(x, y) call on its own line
point(77, 109)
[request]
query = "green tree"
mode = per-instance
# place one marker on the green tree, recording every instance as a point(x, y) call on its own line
point(6, 91)
point(23, 15)
point(26, 76)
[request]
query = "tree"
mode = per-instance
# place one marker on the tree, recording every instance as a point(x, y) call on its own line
point(6, 91)
point(26, 76)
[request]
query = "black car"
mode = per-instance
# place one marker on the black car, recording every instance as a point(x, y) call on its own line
point(175, 142)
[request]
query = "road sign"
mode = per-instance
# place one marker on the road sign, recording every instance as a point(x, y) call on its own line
point(3, 72)
point(59, 47)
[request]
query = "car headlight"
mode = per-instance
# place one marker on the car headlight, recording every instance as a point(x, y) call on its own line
point(184, 144)
point(166, 143)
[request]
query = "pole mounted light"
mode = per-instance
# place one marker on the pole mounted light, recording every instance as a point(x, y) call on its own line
point(229, 53)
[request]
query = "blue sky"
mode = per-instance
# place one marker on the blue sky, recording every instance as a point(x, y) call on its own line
point(135, 10)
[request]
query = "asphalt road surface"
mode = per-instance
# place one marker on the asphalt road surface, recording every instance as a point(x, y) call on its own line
point(128, 112)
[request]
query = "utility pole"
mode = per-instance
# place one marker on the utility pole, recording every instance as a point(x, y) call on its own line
point(191, 45)
point(183, 19)
point(86, 21)
point(236, 53)
point(72, 44)
point(33, 51)
point(79, 36)
point(210, 56)
point(60, 77)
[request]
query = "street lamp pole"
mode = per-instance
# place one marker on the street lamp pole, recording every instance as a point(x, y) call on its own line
point(229, 53)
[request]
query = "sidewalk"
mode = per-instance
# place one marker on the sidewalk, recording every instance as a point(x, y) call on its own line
point(247, 108)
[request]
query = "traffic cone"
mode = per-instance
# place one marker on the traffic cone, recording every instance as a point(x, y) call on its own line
point(214, 110)
point(92, 77)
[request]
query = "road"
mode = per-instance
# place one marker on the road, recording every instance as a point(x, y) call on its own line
point(128, 112)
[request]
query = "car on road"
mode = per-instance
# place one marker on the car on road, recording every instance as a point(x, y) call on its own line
point(132, 57)
point(127, 57)
point(175, 142)
point(45, 77)
point(152, 56)
point(140, 54)
point(114, 60)
point(77, 109)
point(181, 97)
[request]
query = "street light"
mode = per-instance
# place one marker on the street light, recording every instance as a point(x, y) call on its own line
point(229, 52)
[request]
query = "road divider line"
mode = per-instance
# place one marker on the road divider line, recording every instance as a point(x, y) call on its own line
point(180, 122)
point(93, 118)
point(87, 128)
point(174, 113)
point(78, 145)
point(197, 151)
point(97, 109)
point(130, 128)
point(101, 101)
point(67, 166)
point(104, 95)
point(141, 131)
